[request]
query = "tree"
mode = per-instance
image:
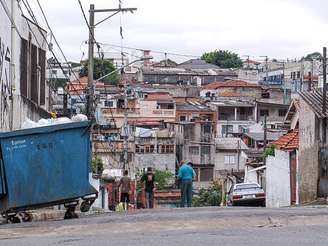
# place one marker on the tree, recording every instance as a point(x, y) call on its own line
point(313, 56)
point(223, 59)
point(101, 68)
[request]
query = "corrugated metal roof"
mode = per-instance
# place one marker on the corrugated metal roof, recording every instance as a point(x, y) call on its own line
point(314, 100)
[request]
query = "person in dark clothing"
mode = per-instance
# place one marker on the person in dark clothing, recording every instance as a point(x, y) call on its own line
point(149, 179)
point(125, 189)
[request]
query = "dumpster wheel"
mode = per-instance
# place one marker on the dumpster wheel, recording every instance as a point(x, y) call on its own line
point(86, 205)
point(70, 211)
point(11, 218)
point(25, 216)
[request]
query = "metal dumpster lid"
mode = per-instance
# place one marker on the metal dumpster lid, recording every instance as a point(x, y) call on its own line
point(45, 129)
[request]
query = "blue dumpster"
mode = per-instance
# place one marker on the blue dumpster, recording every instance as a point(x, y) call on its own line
point(45, 166)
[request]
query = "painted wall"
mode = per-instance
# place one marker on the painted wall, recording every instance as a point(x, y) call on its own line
point(278, 180)
point(308, 153)
point(12, 104)
point(155, 160)
point(220, 160)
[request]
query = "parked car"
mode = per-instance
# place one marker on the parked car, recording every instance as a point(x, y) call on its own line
point(246, 194)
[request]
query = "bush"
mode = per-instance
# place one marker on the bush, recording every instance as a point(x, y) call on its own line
point(208, 197)
point(163, 179)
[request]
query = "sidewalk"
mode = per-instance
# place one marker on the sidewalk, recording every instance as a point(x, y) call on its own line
point(56, 214)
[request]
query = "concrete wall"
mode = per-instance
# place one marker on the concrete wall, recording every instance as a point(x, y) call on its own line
point(250, 176)
point(278, 190)
point(220, 161)
point(13, 108)
point(156, 161)
point(243, 91)
point(235, 126)
point(308, 153)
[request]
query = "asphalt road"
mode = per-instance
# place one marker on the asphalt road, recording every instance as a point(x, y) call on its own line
point(195, 226)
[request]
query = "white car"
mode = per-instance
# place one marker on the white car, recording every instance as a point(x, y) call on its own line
point(246, 194)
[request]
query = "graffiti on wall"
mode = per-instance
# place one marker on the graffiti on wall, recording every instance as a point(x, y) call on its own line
point(5, 84)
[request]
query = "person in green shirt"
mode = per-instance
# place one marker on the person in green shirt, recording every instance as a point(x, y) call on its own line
point(185, 175)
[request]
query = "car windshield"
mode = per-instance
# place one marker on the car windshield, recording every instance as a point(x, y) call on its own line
point(246, 186)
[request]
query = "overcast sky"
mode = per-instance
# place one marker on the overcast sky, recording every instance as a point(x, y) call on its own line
point(276, 28)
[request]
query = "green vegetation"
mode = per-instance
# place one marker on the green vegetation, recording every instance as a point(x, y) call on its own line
point(101, 68)
point(269, 151)
point(208, 197)
point(97, 166)
point(313, 56)
point(163, 179)
point(223, 59)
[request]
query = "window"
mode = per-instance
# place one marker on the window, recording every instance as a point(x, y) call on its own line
point(162, 148)
point(183, 118)
point(298, 74)
point(23, 68)
point(282, 112)
point(34, 89)
point(194, 150)
point(226, 129)
point(42, 62)
point(207, 129)
point(147, 149)
point(109, 104)
point(229, 159)
point(264, 112)
point(152, 147)
point(206, 150)
point(206, 174)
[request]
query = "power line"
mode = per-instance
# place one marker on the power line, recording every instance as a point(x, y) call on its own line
point(5, 7)
point(30, 11)
point(89, 28)
point(153, 51)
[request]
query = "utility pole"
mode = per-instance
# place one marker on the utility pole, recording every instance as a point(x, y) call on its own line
point(266, 67)
point(265, 138)
point(125, 125)
point(90, 108)
point(310, 81)
point(92, 25)
point(324, 91)
point(12, 66)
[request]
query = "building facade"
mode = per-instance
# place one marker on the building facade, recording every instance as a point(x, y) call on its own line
point(24, 91)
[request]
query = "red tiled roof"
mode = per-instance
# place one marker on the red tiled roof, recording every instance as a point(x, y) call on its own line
point(213, 86)
point(78, 86)
point(288, 141)
point(229, 94)
point(251, 62)
point(230, 83)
